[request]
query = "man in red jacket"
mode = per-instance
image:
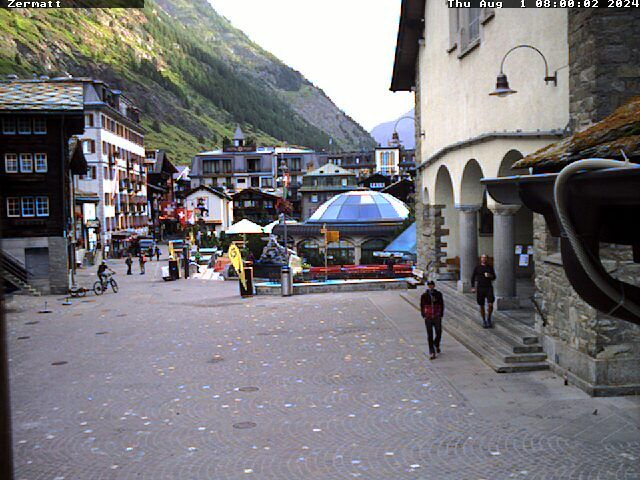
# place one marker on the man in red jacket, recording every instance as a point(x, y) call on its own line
point(432, 309)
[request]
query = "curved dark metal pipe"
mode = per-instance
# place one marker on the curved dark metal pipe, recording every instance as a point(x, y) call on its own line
point(588, 290)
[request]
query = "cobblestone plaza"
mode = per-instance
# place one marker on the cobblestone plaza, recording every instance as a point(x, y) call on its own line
point(186, 380)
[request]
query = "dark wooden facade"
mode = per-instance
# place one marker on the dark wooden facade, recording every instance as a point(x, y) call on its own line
point(403, 190)
point(377, 181)
point(254, 205)
point(160, 192)
point(53, 183)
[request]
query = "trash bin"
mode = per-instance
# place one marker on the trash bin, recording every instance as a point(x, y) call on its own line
point(286, 281)
point(174, 270)
point(248, 275)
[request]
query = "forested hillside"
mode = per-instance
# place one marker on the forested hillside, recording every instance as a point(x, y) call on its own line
point(193, 75)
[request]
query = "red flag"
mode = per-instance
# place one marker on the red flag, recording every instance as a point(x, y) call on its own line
point(182, 216)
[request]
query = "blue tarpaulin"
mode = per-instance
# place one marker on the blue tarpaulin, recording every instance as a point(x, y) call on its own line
point(405, 242)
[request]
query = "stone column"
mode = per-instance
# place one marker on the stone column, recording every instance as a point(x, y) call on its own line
point(357, 252)
point(468, 251)
point(504, 258)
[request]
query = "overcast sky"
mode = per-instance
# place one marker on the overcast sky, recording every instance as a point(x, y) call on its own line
point(345, 47)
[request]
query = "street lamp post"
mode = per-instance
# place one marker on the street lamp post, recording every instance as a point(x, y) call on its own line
point(285, 184)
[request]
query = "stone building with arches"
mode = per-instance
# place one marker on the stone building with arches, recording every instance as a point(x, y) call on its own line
point(450, 58)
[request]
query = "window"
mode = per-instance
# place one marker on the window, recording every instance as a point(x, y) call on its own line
point(13, 207)
point(241, 180)
point(88, 146)
point(454, 28)
point(464, 27)
point(26, 163)
point(88, 120)
point(40, 126)
point(10, 163)
point(9, 126)
point(267, 182)
point(208, 166)
point(42, 206)
point(314, 198)
point(105, 149)
point(107, 199)
point(473, 24)
point(41, 162)
point(24, 126)
point(28, 207)
point(344, 182)
point(92, 174)
point(253, 165)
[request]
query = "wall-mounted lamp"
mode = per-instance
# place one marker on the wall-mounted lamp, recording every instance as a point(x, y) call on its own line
point(502, 83)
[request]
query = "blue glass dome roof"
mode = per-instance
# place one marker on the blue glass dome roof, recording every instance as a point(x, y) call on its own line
point(361, 207)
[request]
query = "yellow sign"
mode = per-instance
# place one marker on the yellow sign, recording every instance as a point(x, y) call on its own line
point(236, 260)
point(333, 236)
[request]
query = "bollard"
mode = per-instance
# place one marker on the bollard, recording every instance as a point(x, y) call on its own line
point(286, 281)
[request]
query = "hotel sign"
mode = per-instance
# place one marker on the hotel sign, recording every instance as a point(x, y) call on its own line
point(242, 149)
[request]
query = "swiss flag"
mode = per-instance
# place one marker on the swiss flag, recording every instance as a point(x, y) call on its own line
point(182, 216)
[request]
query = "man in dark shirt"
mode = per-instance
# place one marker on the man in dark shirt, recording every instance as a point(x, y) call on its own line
point(482, 284)
point(432, 309)
point(103, 270)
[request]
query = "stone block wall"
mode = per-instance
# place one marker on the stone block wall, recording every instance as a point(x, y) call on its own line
point(428, 239)
point(605, 62)
point(599, 353)
point(56, 280)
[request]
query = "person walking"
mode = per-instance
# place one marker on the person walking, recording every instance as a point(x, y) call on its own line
point(157, 253)
point(142, 260)
point(482, 285)
point(432, 309)
point(390, 264)
point(129, 263)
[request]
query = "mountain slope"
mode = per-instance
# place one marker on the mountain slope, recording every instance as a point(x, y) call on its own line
point(193, 74)
point(406, 131)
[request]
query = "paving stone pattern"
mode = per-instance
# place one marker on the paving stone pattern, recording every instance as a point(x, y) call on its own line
point(185, 380)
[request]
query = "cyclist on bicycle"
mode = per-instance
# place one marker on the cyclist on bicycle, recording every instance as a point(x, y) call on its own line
point(102, 272)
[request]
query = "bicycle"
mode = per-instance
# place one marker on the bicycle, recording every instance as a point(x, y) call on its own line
point(102, 285)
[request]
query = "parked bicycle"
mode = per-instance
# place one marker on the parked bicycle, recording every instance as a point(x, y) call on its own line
point(102, 285)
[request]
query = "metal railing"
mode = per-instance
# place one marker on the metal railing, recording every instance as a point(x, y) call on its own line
point(13, 266)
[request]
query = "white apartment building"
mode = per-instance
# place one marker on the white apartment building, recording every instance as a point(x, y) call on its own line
point(388, 161)
point(113, 144)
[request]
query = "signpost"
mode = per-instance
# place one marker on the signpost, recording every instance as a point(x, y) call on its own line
point(330, 236)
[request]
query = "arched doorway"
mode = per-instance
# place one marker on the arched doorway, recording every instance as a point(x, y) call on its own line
point(448, 266)
point(311, 252)
point(368, 249)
